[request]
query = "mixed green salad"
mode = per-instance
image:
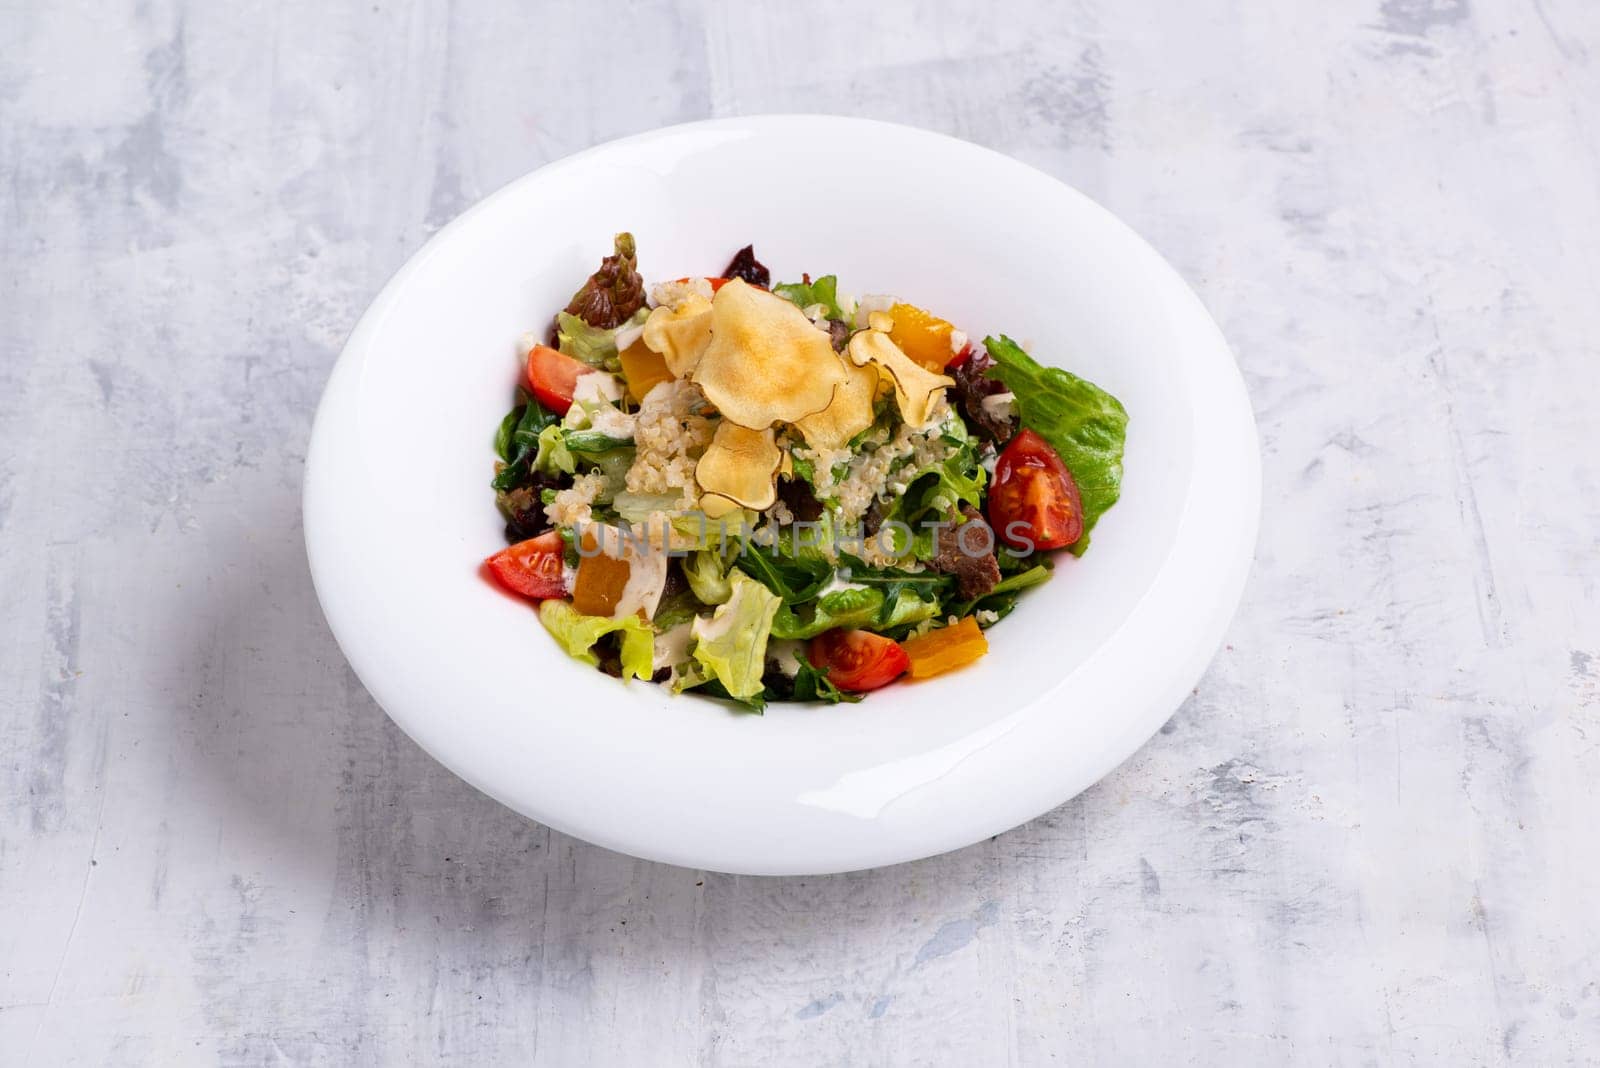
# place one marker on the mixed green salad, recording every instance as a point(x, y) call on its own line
point(767, 492)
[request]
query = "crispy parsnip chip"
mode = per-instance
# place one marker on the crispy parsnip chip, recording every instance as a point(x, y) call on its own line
point(915, 387)
point(680, 335)
point(740, 466)
point(848, 414)
point(765, 363)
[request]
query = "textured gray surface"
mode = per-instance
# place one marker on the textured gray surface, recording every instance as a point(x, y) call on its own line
point(1369, 835)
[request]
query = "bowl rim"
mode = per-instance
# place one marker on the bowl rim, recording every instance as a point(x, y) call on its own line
point(1225, 584)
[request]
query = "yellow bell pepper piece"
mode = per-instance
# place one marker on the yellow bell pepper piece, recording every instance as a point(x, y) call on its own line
point(945, 649)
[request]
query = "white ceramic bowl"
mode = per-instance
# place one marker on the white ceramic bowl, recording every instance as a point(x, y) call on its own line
point(399, 515)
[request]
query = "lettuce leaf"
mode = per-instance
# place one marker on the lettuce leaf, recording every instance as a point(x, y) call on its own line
point(1084, 424)
point(869, 607)
point(823, 291)
point(731, 646)
point(560, 450)
point(594, 345)
point(707, 572)
point(577, 633)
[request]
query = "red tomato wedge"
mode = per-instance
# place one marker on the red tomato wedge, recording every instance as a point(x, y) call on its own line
point(553, 376)
point(532, 568)
point(858, 659)
point(1033, 501)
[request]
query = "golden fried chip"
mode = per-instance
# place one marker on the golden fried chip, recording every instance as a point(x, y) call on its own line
point(740, 465)
point(680, 335)
point(848, 414)
point(915, 387)
point(766, 362)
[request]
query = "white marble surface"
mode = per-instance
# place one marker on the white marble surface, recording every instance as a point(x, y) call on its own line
point(1369, 836)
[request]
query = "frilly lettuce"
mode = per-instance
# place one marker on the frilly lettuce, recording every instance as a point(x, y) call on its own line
point(577, 633)
point(731, 646)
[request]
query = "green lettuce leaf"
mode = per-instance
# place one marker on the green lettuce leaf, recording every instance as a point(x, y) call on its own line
point(560, 451)
point(1081, 421)
point(823, 291)
point(731, 646)
point(577, 633)
point(707, 572)
point(869, 607)
point(593, 345)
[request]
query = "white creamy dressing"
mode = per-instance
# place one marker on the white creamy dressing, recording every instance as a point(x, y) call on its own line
point(593, 397)
point(672, 646)
point(836, 584)
point(785, 652)
point(999, 406)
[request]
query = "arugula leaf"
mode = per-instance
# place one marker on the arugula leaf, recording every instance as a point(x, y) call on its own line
point(755, 703)
point(1003, 597)
point(796, 578)
point(808, 684)
point(926, 587)
point(823, 291)
point(813, 684)
point(1084, 424)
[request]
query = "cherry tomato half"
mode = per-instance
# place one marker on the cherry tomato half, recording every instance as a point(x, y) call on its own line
point(531, 568)
point(1033, 501)
point(553, 376)
point(858, 659)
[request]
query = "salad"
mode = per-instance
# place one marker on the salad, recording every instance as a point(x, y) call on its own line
point(765, 492)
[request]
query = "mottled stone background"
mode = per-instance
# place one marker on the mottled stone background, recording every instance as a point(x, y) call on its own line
point(1369, 836)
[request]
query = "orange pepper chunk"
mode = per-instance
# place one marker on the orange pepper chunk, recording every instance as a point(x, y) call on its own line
point(945, 649)
point(600, 582)
point(643, 369)
point(922, 336)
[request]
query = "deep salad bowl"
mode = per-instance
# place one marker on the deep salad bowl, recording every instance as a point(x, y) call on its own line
point(1085, 669)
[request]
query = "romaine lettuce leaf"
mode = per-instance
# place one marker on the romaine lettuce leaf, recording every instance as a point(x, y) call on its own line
point(823, 291)
point(731, 646)
point(1084, 424)
point(577, 633)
